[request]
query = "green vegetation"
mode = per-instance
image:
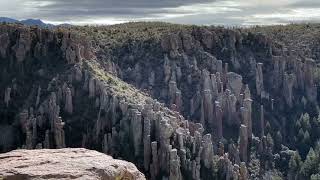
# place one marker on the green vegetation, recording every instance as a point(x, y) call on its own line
point(307, 169)
point(307, 132)
point(303, 39)
point(114, 84)
point(117, 35)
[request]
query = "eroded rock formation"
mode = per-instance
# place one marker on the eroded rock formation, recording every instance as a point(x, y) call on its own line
point(198, 106)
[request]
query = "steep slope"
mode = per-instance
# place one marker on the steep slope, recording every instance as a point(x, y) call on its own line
point(224, 79)
point(56, 95)
point(181, 102)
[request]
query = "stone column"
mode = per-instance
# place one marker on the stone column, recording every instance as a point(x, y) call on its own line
point(225, 71)
point(172, 91)
point(166, 69)
point(288, 83)
point(219, 66)
point(59, 133)
point(246, 92)
point(147, 142)
point(165, 131)
point(175, 173)
point(68, 101)
point(92, 87)
point(259, 78)
point(202, 113)
point(46, 143)
point(207, 152)
point(214, 86)
point(38, 97)
point(219, 82)
point(5, 41)
point(136, 124)
point(154, 167)
point(7, 97)
point(248, 106)
point(208, 107)
point(261, 121)
point(34, 131)
point(218, 126)
point(178, 100)
point(105, 145)
point(243, 144)
point(55, 121)
point(206, 80)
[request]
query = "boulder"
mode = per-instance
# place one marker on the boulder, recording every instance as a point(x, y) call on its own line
point(65, 164)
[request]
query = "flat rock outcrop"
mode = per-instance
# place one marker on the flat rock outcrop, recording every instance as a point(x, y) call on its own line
point(65, 164)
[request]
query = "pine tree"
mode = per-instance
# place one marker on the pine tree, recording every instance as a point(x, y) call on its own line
point(300, 135)
point(306, 122)
point(270, 141)
point(310, 165)
point(298, 124)
point(317, 147)
point(316, 128)
point(295, 164)
point(268, 128)
point(315, 177)
point(306, 138)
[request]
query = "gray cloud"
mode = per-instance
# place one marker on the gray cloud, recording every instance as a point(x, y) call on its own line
point(80, 10)
point(117, 8)
point(125, 3)
point(305, 4)
point(224, 12)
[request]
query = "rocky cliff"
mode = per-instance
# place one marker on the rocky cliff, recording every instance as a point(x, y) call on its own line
point(180, 102)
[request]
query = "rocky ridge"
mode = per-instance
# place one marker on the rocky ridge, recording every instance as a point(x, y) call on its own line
point(125, 118)
point(220, 91)
point(235, 83)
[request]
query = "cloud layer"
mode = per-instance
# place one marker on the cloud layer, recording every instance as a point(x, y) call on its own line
point(222, 12)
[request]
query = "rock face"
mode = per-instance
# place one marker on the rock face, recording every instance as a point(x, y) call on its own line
point(65, 164)
point(179, 107)
point(223, 80)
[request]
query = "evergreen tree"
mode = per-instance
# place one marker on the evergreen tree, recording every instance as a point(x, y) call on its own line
point(306, 138)
point(295, 164)
point(268, 127)
point(315, 131)
point(300, 135)
point(315, 177)
point(306, 121)
point(270, 141)
point(310, 165)
point(298, 124)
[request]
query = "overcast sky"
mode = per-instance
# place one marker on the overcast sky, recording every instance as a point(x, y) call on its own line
point(207, 12)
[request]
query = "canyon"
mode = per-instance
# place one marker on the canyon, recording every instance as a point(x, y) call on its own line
point(178, 101)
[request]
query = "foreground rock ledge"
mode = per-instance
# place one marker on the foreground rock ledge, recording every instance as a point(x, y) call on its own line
point(65, 164)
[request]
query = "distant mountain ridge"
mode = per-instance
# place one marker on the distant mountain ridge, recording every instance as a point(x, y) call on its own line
point(8, 20)
point(29, 22)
